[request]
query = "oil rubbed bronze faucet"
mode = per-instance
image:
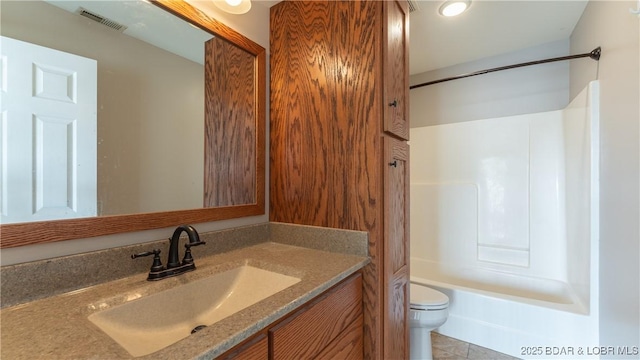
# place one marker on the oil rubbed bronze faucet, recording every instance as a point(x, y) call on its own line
point(174, 267)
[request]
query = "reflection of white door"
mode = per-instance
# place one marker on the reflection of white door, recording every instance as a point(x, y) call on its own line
point(47, 133)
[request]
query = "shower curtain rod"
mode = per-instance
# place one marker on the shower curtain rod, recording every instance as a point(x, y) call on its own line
point(594, 54)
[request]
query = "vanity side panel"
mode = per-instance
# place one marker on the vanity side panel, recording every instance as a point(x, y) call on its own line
point(326, 121)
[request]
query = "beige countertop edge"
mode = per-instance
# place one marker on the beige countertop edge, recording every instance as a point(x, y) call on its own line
point(57, 327)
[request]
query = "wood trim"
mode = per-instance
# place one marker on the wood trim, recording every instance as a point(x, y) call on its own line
point(14, 235)
point(187, 12)
point(51, 231)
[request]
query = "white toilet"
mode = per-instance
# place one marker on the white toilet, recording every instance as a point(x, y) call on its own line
point(429, 310)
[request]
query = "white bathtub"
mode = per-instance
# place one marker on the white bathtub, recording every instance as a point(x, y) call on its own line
point(547, 293)
point(515, 315)
point(504, 220)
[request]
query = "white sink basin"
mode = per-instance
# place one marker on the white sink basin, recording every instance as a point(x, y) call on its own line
point(151, 323)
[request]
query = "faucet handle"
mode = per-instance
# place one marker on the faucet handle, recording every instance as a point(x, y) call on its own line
point(188, 259)
point(195, 243)
point(157, 263)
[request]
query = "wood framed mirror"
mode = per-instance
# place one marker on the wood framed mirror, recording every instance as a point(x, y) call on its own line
point(234, 145)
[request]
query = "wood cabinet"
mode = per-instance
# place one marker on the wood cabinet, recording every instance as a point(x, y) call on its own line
point(396, 68)
point(339, 120)
point(327, 327)
point(396, 249)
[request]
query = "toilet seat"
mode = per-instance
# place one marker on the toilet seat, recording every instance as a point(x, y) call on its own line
point(424, 298)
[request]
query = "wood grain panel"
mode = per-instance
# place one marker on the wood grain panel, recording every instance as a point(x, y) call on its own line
point(256, 348)
point(306, 334)
point(326, 96)
point(396, 344)
point(396, 68)
point(346, 346)
point(229, 125)
point(396, 205)
point(396, 268)
point(323, 105)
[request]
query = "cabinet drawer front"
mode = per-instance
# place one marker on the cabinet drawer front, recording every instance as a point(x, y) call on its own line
point(347, 346)
point(312, 329)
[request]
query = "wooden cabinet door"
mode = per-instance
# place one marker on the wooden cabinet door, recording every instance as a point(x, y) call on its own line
point(396, 68)
point(396, 249)
point(306, 334)
point(346, 346)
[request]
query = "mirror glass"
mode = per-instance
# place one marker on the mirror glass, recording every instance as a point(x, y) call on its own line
point(115, 121)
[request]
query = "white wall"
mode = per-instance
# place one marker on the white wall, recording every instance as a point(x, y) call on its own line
point(519, 91)
point(610, 25)
point(255, 26)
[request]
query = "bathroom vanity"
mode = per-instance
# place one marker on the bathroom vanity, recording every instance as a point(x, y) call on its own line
point(317, 314)
point(327, 327)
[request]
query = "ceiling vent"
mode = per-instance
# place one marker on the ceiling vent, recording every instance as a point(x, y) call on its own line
point(413, 6)
point(101, 19)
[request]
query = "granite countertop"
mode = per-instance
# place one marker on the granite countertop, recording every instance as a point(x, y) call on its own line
point(57, 326)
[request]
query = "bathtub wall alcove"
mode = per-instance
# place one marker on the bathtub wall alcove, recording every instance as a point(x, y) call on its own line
point(504, 220)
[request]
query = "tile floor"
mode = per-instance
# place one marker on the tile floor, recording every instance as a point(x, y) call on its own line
point(447, 348)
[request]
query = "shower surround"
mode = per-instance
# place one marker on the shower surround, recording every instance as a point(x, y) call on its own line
point(504, 220)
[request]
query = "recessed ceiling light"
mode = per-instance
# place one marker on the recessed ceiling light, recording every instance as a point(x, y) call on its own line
point(454, 7)
point(233, 6)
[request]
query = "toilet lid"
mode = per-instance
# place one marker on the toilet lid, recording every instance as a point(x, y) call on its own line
point(424, 298)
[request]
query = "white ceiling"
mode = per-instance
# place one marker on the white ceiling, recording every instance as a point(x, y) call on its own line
point(147, 23)
point(488, 28)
